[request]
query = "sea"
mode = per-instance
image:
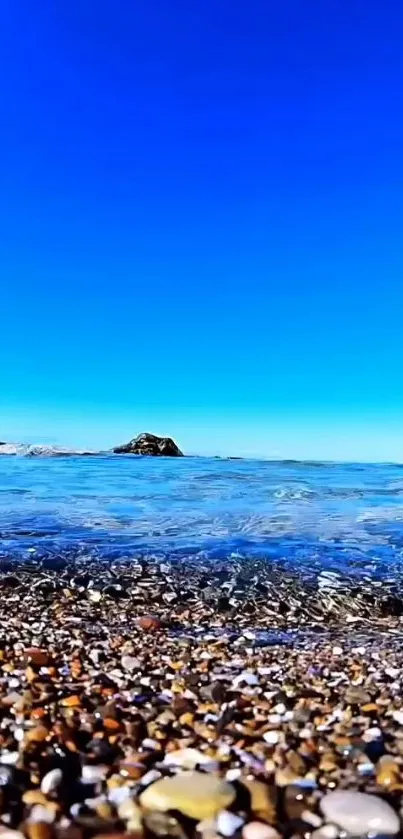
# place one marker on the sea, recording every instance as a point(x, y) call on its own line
point(334, 526)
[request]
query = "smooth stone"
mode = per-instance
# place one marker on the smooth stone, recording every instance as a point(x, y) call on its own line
point(93, 774)
point(357, 696)
point(149, 623)
point(262, 798)
point(163, 825)
point(358, 813)
point(130, 663)
point(194, 794)
point(228, 823)
point(51, 781)
point(259, 830)
point(326, 831)
point(42, 815)
point(130, 812)
point(189, 759)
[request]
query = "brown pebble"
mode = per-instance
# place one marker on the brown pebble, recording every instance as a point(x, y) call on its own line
point(36, 656)
point(111, 724)
point(71, 701)
point(38, 830)
point(294, 802)
point(262, 799)
point(387, 772)
point(137, 835)
point(369, 708)
point(37, 734)
point(328, 762)
point(104, 810)
point(149, 623)
point(34, 796)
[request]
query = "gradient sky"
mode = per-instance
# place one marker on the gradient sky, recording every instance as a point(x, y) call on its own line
point(201, 213)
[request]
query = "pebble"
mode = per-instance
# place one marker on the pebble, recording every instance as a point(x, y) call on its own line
point(51, 781)
point(245, 678)
point(259, 830)
point(130, 812)
point(190, 759)
point(7, 833)
point(149, 623)
point(130, 663)
point(195, 794)
point(272, 737)
point(326, 831)
point(92, 774)
point(358, 813)
point(262, 799)
point(42, 815)
point(163, 825)
point(34, 796)
point(228, 823)
point(387, 771)
point(357, 696)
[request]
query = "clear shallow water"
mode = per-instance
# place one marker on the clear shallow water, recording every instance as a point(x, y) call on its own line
point(312, 518)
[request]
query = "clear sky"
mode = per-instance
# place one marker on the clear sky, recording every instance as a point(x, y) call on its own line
point(201, 213)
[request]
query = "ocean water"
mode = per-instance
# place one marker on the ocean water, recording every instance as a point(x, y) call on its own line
point(326, 522)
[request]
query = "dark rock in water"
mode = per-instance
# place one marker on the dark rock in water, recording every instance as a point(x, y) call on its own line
point(149, 444)
point(54, 563)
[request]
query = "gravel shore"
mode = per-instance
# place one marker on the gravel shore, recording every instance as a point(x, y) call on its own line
point(152, 700)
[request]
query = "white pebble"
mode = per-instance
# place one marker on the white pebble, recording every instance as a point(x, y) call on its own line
point(9, 758)
point(259, 830)
point(311, 818)
point(245, 678)
point(372, 734)
point(150, 777)
point(150, 744)
point(367, 768)
point(233, 774)
point(228, 823)
point(8, 833)
point(326, 831)
point(274, 719)
point(118, 795)
point(337, 650)
point(189, 759)
point(130, 663)
point(42, 814)
point(358, 813)
point(51, 780)
point(272, 737)
point(398, 717)
point(92, 774)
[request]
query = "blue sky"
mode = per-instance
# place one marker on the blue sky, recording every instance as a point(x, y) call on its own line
point(201, 215)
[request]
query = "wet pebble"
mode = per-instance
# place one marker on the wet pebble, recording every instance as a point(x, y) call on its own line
point(358, 813)
point(195, 794)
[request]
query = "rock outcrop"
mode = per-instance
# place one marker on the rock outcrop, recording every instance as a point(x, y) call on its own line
point(150, 444)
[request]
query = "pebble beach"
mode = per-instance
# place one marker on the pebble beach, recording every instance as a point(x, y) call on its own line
point(125, 713)
point(175, 692)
